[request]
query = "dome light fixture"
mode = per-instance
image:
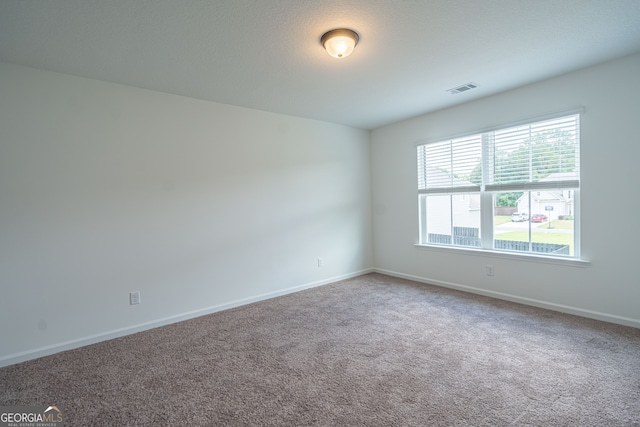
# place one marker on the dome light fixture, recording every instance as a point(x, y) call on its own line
point(340, 42)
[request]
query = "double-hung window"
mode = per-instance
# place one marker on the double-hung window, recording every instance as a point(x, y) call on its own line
point(513, 189)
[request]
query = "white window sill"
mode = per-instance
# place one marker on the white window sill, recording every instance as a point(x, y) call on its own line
point(573, 262)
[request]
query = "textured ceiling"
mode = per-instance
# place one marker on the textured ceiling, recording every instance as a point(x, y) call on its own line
point(266, 54)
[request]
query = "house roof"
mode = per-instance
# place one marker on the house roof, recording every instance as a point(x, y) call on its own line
point(559, 176)
point(551, 195)
point(267, 55)
point(441, 178)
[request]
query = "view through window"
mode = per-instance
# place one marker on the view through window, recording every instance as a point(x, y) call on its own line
point(514, 189)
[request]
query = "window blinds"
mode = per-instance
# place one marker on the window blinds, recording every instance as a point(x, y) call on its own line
point(539, 155)
point(452, 166)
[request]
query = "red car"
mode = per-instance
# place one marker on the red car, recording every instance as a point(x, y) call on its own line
point(538, 218)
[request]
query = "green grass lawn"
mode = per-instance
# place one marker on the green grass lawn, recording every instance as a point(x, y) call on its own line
point(558, 224)
point(538, 237)
point(551, 237)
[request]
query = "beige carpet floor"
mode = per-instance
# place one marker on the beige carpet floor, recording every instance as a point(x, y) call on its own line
point(370, 351)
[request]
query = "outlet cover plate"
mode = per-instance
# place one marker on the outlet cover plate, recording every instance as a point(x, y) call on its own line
point(134, 298)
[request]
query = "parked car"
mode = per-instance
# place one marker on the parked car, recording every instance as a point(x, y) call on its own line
point(519, 216)
point(538, 218)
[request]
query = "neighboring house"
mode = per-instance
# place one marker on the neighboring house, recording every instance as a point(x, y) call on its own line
point(561, 200)
point(465, 206)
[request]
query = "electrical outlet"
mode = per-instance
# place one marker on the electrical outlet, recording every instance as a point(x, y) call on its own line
point(134, 298)
point(320, 262)
point(489, 269)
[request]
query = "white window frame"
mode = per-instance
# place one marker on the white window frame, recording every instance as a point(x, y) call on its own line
point(487, 191)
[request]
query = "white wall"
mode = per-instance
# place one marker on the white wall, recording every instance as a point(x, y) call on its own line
point(107, 189)
point(609, 287)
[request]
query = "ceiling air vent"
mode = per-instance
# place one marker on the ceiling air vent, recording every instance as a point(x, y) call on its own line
point(462, 88)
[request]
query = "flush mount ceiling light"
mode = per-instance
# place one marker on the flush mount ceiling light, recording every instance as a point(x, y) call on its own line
point(340, 42)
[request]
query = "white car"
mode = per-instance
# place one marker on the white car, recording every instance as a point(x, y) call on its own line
point(519, 217)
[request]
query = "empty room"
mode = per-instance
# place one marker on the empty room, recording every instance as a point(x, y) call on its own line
point(296, 212)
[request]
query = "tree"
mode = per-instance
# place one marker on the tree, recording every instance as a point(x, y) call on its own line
point(544, 153)
point(508, 199)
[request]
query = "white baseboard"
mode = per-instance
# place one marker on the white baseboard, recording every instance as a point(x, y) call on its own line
point(93, 339)
point(611, 318)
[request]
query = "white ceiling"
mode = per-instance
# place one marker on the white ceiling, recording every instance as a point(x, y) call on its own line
point(266, 54)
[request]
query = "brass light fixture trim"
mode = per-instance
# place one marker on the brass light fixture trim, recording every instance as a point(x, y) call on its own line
point(340, 42)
